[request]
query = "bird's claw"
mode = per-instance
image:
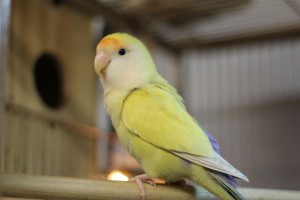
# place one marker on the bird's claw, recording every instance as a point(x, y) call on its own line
point(140, 179)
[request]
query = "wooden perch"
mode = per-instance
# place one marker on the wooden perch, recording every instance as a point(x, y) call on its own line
point(46, 187)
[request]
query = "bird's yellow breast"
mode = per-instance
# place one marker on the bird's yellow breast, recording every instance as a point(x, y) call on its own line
point(156, 162)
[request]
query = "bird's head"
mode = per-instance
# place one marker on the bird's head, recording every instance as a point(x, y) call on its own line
point(123, 62)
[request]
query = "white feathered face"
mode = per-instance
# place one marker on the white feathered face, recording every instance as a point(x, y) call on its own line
point(122, 62)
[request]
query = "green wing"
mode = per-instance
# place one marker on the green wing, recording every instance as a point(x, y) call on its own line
point(159, 118)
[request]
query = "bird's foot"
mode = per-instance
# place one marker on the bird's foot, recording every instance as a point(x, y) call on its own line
point(140, 179)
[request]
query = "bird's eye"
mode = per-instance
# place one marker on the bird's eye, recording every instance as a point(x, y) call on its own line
point(122, 52)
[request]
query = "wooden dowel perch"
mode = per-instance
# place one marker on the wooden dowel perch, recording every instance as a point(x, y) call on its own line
point(46, 187)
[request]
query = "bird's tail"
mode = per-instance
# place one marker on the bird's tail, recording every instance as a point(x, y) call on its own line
point(226, 186)
point(214, 183)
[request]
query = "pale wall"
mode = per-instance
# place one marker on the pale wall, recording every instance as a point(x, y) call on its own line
point(248, 96)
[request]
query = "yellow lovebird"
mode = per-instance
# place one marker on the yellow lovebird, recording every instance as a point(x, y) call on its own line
point(152, 122)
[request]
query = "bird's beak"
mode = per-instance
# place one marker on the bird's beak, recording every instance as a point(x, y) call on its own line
point(101, 62)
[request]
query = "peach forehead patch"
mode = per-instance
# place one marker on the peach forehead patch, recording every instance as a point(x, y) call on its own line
point(113, 42)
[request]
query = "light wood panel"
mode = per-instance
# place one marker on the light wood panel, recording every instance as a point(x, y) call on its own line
point(36, 144)
point(37, 139)
point(39, 27)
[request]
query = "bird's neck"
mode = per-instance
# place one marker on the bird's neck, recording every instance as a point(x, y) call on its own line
point(113, 100)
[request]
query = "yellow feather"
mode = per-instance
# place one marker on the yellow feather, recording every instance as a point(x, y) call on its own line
point(160, 120)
